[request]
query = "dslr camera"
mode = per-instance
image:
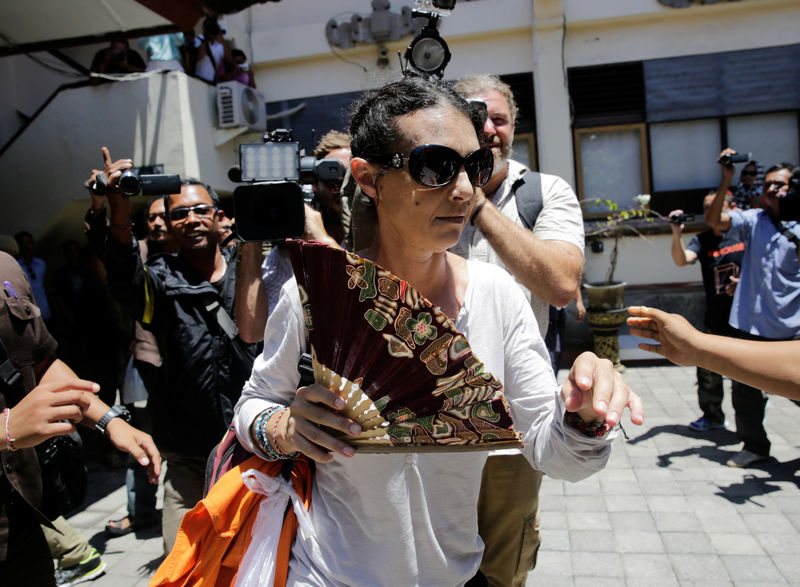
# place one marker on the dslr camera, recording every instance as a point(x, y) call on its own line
point(133, 182)
point(270, 207)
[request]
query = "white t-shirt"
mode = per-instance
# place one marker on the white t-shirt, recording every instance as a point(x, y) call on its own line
point(560, 219)
point(411, 519)
point(205, 69)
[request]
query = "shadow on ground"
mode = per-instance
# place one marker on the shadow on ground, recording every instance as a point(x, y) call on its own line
point(751, 486)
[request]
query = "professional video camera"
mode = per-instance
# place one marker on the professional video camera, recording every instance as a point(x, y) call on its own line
point(789, 206)
point(133, 182)
point(271, 206)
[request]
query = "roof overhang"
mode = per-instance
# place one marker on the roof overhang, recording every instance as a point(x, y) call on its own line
point(41, 25)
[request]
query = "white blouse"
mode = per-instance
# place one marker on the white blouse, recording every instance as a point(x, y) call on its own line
point(411, 519)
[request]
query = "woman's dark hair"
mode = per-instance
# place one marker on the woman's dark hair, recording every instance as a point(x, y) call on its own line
point(373, 123)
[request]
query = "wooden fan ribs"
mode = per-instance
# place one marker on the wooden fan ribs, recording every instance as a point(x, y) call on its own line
point(407, 376)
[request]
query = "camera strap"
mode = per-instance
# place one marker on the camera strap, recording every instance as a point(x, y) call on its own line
point(9, 373)
point(785, 231)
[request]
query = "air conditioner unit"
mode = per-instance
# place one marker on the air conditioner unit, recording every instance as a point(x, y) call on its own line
point(240, 105)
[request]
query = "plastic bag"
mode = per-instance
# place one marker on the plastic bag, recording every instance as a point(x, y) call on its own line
point(258, 564)
point(133, 389)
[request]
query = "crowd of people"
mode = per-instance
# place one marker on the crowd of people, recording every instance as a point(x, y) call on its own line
point(215, 331)
point(209, 56)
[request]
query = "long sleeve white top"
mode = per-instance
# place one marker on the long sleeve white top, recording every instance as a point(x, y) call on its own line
point(411, 519)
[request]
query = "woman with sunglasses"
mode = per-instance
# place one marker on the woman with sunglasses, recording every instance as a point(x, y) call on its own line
point(411, 519)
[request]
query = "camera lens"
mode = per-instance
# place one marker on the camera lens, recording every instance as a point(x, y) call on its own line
point(129, 183)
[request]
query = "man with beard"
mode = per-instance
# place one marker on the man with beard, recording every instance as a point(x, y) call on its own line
point(187, 301)
point(323, 226)
point(546, 259)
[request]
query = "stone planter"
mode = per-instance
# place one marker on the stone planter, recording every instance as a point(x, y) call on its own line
point(606, 312)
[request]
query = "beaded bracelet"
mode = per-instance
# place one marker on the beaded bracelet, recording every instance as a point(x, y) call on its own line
point(260, 429)
point(594, 429)
point(10, 440)
point(283, 454)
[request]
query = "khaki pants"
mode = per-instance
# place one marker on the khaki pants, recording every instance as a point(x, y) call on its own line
point(183, 488)
point(68, 548)
point(508, 519)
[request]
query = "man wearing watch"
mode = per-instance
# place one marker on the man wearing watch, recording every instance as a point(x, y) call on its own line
point(48, 392)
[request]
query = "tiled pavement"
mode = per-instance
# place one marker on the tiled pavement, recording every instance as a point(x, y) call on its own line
point(666, 510)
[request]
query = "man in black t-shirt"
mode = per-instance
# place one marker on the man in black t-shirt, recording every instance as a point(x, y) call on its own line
point(720, 258)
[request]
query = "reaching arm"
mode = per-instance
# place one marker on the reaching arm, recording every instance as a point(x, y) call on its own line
point(680, 255)
point(715, 216)
point(122, 435)
point(771, 366)
point(251, 303)
point(550, 269)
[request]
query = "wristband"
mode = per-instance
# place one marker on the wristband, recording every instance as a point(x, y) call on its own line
point(477, 211)
point(10, 440)
point(277, 448)
point(594, 429)
point(260, 429)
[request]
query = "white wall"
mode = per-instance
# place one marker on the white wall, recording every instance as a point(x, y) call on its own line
point(168, 119)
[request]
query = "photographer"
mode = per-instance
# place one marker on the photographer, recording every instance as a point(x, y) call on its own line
point(766, 305)
point(323, 225)
point(186, 299)
point(118, 57)
point(720, 259)
point(771, 366)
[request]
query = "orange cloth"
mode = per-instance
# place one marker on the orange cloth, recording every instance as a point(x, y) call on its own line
point(214, 535)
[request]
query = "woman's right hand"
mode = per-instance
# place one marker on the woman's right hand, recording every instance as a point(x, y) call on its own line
point(300, 430)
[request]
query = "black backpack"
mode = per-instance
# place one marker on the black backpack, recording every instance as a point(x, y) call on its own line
point(528, 194)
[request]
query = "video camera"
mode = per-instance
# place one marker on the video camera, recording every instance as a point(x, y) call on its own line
point(271, 206)
point(681, 218)
point(728, 159)
point(789, 206)
point(133, 182)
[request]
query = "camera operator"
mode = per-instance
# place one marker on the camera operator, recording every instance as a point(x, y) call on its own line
point(771, 366)
point(766, 305)
point(720, 259)
point(187, 301)
point(323, 225)
point(118, 57)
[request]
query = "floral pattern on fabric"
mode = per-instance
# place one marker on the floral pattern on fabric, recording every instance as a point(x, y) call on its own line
point(415, 380)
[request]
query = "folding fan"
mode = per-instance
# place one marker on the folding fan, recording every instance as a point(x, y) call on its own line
point(407, 376)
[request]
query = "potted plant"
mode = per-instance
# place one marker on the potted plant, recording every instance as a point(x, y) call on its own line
point(605, 306)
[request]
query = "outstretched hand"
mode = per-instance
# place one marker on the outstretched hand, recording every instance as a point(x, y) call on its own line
point(50, 409)
point(594, 390)
point(136, 443)
point(676, 337)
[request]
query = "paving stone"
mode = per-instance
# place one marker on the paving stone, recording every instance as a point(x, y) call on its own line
point(747, 569)
point(697, 567)
point(648, 569)
point(597, 564)
point(727, 544)
point(686, 542)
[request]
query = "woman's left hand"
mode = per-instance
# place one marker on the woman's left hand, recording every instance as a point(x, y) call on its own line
point(594, 390)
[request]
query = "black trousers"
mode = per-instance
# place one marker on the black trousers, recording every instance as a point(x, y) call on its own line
point(28, 561)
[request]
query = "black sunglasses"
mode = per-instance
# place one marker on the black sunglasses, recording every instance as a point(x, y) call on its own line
point(436, 165)
point(753, 173)
point(200, 210)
